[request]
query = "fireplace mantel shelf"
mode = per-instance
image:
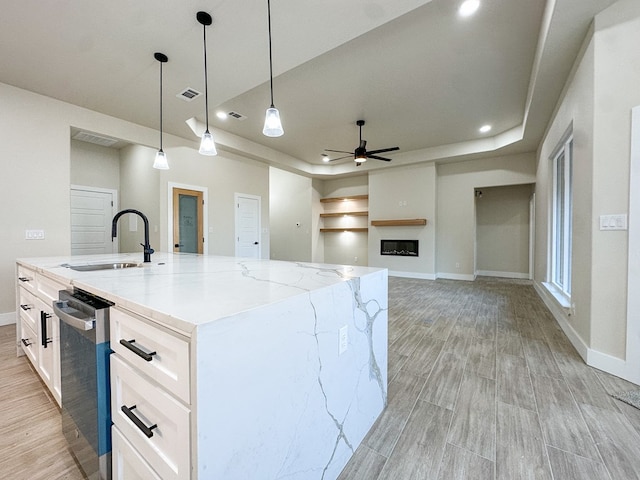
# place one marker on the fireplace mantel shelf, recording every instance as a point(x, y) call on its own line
point(403, 222)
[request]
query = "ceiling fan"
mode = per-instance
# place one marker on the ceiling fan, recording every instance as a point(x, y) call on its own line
point(360, 154)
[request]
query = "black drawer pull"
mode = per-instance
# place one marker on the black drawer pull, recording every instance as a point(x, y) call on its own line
point(132, 416)
point(24, 279)
point(43, 328)
point(25, 307)
point(142, 354)
point(26, 342)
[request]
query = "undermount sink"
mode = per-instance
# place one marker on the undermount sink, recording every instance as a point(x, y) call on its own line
point(101, 266)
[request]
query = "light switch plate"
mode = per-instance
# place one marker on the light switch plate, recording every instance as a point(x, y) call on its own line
point(613, 222)
point(34, 234)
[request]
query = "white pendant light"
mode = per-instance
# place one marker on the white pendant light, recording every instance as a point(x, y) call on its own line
point(160, 161)
point(207, 145)
point(272, 123)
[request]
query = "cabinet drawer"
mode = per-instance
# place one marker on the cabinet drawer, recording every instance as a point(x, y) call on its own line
point(27, 278)
point(127, 464)
point(48, 289)
point(166, 444)
point(29, 343)
point(169, 364)
point(29, 312)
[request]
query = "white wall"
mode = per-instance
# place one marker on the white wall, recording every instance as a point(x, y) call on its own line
point(292, 226)
point(139, 190)
point(94, 165)
point(597, 102)
point(403, 193)
point(455, 222)
point(502, 231)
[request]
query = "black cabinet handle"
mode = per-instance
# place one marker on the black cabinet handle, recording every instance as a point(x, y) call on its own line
point(43, 328)
point(255, 243)
point(25, 307)
point(26, 342)
point(138, 423)
point(142, 354)
point(24, 279)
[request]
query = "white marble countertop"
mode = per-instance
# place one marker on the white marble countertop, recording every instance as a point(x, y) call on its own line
point(186, 290)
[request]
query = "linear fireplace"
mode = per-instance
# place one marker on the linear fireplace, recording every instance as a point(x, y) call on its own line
point(403, 248)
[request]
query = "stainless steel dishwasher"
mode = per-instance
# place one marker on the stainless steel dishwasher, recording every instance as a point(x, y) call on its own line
point(84, 368)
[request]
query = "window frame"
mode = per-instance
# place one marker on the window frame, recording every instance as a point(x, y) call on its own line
point(560, 267)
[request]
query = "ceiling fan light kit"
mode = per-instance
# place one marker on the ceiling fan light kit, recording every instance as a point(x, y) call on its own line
point(360, 154)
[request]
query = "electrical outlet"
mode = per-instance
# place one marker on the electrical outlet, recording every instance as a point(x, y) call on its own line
point(34, 234)
point(355, 259)
point(343, 340)
point(457, 265)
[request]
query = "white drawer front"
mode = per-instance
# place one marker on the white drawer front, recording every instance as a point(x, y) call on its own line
point(29, 311)
point(126, 462)
point(169, 365)
point(48, 288)
point(29, 342)
point(27, 278)
point(168, 447)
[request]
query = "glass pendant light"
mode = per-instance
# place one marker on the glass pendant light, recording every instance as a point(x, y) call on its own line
point(272, 123)
point(160, 161)
point(207, 145)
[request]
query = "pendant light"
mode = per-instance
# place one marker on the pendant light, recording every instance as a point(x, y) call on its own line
point(160, 161)
point(272, 123)
point(207, 145)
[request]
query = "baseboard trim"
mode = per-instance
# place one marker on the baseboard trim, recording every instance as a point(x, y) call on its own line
point(490, 273)
point(423, 276)
point(456, 276)
point(602, 361)
point(7, 318)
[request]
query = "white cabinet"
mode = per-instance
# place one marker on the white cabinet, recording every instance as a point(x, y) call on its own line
point(38, 328)
point(150, 399)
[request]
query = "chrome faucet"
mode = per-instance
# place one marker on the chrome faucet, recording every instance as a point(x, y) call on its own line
point(114, 231)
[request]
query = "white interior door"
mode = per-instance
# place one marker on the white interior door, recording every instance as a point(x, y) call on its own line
point(91, 215)
point(247, 225)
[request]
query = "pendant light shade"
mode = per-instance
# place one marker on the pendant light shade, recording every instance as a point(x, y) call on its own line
point(160, 161)
point(272, 123)
point(207, 145)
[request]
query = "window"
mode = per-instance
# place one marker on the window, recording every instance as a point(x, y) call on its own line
point(561, 218)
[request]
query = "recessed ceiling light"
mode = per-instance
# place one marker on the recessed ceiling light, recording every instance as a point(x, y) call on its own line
point(485, 128)
point(325, 157)
point(468, 7)
point(221, 115)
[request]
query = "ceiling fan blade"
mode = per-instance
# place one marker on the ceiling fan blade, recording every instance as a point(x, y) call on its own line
point(337, 151)
point(382, 150)
point(340, 158)
point(378, 158)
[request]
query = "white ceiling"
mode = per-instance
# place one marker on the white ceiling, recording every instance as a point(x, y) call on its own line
point(422, 77)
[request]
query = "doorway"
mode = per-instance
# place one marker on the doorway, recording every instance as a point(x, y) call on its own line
point(187, 222)
point(248, 208)
point(92, 210)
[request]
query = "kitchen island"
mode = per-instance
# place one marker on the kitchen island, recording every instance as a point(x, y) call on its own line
point(271, 370)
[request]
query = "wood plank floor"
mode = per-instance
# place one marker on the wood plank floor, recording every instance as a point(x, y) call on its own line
point(483, 384)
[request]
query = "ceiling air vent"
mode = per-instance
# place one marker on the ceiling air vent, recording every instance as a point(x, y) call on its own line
point(188, 94)
point(96, 139)
point(237, 116)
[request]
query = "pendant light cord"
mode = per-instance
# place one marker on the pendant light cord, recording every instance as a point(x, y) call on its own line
point(160, 105)
point(270, 57)
point(206, 79)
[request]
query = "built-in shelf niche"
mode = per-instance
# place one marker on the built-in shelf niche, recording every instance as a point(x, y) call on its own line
point(350, 213)
point(404, 222)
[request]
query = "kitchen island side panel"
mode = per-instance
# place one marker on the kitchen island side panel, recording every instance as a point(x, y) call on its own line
point(275, 396)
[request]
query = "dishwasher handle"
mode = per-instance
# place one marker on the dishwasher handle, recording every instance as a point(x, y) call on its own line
point(75, 318)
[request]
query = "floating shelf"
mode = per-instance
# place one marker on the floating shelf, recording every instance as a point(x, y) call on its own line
point(399, 223)
point(341, 199)
point(334, 230)
point(344, 214)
